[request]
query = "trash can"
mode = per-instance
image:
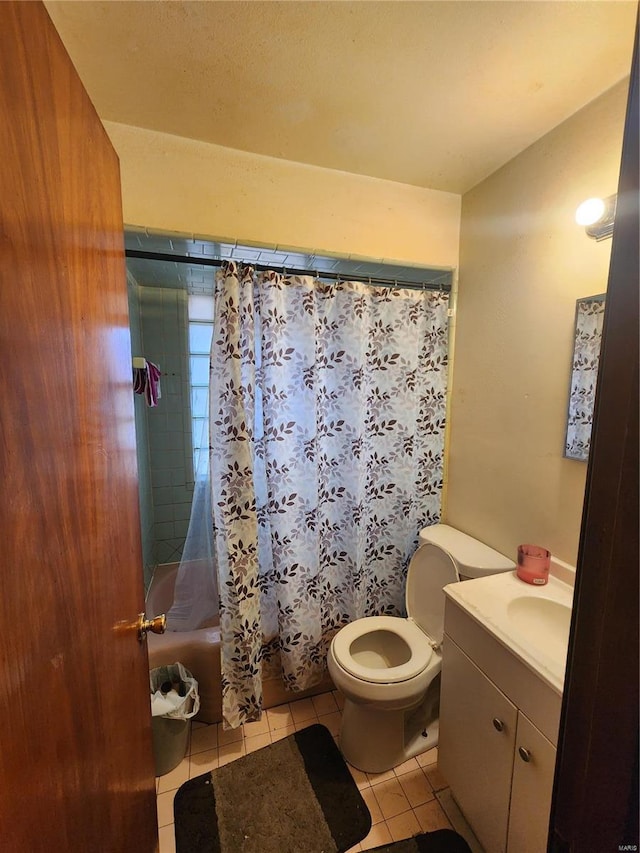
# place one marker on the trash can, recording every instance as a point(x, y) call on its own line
point(174, 700)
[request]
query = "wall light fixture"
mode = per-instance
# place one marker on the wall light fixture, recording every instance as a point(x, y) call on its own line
point(597, 215)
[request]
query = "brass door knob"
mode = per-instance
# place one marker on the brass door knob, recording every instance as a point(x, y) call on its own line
point(498, 724)
point(157, 625)
point(524, 754)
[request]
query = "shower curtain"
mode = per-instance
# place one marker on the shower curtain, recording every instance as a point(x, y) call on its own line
point(195, 595)
point(327, 413)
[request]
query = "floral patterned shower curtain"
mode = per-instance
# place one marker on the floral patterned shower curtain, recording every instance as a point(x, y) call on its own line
point(327, 429)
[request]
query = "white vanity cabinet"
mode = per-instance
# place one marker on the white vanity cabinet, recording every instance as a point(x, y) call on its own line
point(497, 762)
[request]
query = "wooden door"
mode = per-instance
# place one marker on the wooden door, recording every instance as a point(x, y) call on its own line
point(475, 754)
point(76, 767)
point(595, 801)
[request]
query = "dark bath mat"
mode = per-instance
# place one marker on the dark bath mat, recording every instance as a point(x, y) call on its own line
point(294, 796)
point(440, 841)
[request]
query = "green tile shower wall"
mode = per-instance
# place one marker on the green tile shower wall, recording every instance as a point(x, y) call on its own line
point(142, 442)
point(163, 314)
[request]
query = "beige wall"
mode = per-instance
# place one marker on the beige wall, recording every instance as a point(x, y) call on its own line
point(170, 183)
point(523, 263)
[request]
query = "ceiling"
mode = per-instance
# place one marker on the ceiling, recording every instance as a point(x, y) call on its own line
point(436, 94)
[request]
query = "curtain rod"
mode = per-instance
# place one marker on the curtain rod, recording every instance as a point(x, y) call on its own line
point(334, 276)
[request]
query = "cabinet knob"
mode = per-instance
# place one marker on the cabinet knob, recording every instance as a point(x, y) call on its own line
point(524, 754)
point(498, 724)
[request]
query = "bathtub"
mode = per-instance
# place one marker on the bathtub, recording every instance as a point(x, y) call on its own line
point(199, 651)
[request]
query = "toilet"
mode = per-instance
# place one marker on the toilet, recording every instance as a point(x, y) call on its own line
point(388, 667)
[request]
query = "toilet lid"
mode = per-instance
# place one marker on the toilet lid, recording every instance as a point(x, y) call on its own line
point(382, 649)
point(430, 570)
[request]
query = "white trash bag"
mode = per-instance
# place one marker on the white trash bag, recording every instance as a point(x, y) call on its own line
point(174, 692)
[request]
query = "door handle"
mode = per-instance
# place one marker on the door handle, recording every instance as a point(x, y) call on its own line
point(524, 754)
point(157, 625)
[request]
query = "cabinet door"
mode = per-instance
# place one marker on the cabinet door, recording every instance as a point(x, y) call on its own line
point(531, 790)
point(475, 750)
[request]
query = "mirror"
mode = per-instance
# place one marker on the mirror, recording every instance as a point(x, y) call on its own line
point(584, 374)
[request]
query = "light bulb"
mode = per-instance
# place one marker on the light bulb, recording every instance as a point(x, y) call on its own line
point(590, 211)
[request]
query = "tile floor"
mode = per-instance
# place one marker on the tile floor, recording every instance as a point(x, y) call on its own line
point(402, 801)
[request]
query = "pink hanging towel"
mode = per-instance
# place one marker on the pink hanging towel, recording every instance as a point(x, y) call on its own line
point(152, 387)
point(139, 379)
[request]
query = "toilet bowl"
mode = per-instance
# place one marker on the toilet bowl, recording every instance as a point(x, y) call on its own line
point(387, 667)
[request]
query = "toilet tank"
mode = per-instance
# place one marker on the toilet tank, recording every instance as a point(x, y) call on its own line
point(473, 559)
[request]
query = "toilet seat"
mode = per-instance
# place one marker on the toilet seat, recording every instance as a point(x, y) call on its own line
point(420, 652)
point(430, 570)
point(414, 639)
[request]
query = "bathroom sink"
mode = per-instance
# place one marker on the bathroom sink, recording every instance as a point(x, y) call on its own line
point(531, 621)
point(541, 620)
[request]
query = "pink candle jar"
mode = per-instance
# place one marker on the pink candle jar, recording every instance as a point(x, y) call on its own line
point(533, 564)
